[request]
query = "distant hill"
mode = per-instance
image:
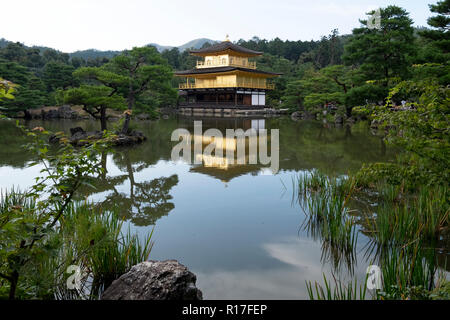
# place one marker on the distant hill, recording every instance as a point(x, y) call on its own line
point(3, 42)
point(195, 44)
point(94, 53)
point(159, 47)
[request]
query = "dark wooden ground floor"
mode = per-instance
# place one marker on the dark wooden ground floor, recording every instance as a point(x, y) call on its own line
point(226, 98)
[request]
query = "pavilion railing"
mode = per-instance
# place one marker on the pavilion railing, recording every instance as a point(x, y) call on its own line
point(249, 64)
point(241, 83)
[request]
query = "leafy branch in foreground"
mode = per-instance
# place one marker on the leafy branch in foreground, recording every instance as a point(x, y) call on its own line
point(31, 218)
point(7, 89)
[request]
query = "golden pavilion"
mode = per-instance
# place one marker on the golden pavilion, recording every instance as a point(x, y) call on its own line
point(225, 79)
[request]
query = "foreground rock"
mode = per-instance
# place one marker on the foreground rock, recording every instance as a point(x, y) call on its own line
point(155, 280)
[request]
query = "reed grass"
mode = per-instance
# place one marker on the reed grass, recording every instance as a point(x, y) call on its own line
point(403, 219)
point(351, 291)
point(95, 239)
point(15, 199)
point(404, 229)
point(85, 236)
point(329, 219)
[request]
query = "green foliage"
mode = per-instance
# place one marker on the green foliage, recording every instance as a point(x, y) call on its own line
point(30, 91)
point(147, 80)
point(423, 132)
point(382, 53)
point(58, 75)
point(43, 232)
point(375, 61)
point(27, 221)
point(434, 45)
point(406, 218)
point(86, 237)
point(317, 89)
point(409, 293)
point(440, 23)
point(39, 74)
point(7, 89)
point(93, 238)
point(100, 92)
point(138, 79)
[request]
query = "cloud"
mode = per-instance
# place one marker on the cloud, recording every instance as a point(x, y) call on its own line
point(301, 263)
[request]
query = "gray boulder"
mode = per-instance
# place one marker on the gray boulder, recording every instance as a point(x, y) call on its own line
point(80, 137)
point(338, 119)
point(75, 130)
point(63, 112)
point(155, 280)
point(143, 116)
point(66, 112)
point(297, 115)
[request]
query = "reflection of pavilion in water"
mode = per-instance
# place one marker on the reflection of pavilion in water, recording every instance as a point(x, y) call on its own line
point(220, 166)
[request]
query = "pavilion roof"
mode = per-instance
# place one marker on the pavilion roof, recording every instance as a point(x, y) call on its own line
point(222, 70)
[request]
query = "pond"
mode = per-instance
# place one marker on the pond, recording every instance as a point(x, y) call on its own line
point(238, 227)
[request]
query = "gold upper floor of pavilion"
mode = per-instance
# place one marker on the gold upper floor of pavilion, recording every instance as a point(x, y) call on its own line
point(226, 60)
point(226, 65)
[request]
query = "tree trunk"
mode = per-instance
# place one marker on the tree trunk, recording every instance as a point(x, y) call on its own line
point(103, 118)
point(348, 111)
point(126, 124)
point(13, 285)
point(103, 162)
point(130, 175)
point(27, 114)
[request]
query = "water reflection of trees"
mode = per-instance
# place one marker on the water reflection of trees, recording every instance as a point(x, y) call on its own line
point(144, 203)
point(303, 145)
point(334, 150)
point(12, 152)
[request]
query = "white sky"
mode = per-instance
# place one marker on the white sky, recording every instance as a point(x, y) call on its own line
point(116, 25)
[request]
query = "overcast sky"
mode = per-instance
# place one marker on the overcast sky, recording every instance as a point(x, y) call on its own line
point(116, 25)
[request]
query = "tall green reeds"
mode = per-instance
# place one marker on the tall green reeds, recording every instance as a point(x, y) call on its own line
point(95, 239)
point(404, 228)
point(351, 291)
point(329, 219)
point(403, 218)
point(86, 237)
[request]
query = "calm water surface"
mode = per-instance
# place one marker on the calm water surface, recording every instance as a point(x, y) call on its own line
point(239, 228)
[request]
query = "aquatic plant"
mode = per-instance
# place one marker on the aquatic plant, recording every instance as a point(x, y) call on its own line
point(351, 291)
point(86, 237)
point(329, 219)
point(94, 239)
point(403, 218)
point(403, 228)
